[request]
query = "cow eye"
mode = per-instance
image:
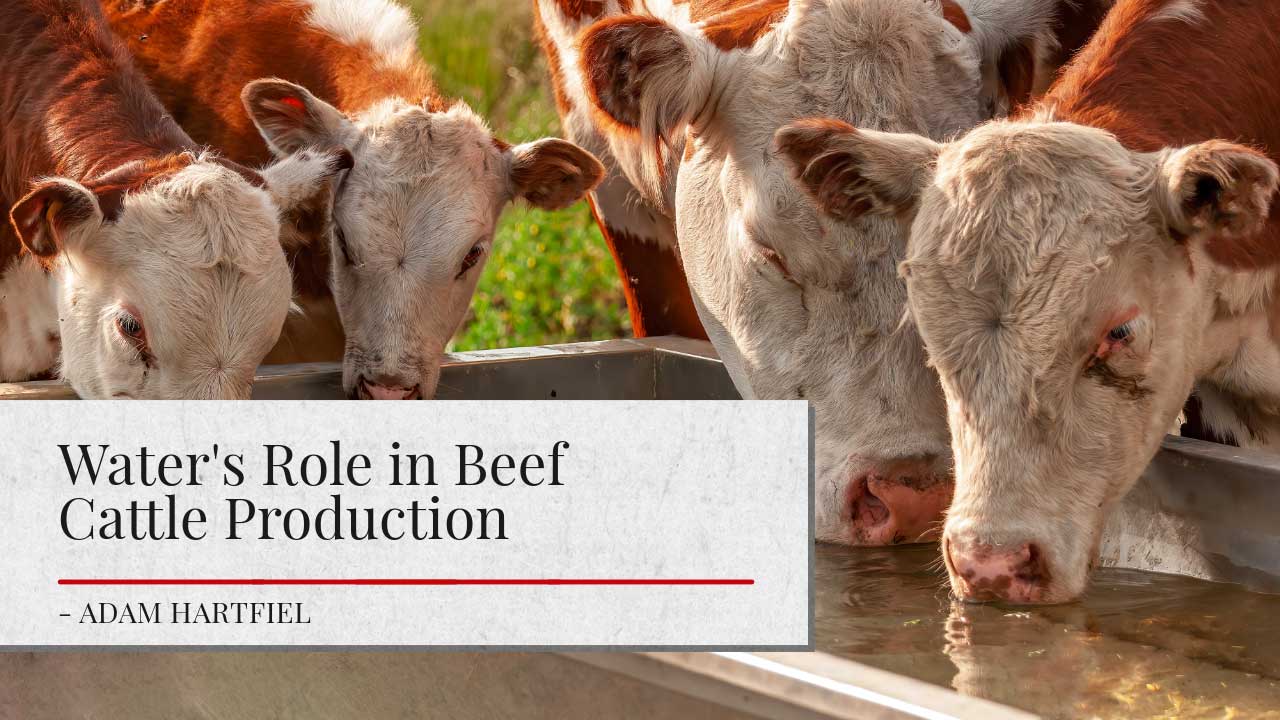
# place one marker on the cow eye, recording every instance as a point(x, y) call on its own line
point(1121, 333)
point(1116, 338)
point(473, 256)
point(777, 261)
point(130, 327)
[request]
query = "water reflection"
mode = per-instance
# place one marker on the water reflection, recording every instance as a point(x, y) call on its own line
point(1139, 645)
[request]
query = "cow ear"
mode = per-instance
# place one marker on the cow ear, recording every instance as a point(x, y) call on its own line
point(303, 186)
point(851, 173)
point(553, 174)
point(53, 216)
point(644, 75)
point(290, 118)
point(1218, 192)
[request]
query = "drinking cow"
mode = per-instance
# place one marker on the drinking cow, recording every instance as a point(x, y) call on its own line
point(1074, 271)
point(415, 217)
point(682, 102)
point(152, 266)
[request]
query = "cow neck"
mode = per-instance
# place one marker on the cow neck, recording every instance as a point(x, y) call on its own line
point(1156, 82)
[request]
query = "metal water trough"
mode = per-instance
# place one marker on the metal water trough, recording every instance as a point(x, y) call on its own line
point(1201, 509)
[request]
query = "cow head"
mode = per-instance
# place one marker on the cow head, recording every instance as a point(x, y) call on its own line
point(1063, 285)
point(414, 220)
point(172, 279)
point(799, 306)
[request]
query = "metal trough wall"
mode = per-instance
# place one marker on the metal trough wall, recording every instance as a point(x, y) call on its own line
point(649, 369)
point(1201, 509)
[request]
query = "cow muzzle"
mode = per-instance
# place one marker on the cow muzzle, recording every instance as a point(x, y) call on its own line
point(898, 501)
point(1015, 573)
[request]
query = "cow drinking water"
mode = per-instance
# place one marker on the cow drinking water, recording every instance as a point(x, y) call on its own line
point(1076, 270)
point(684, 102)
point(415, 217)
point(154, 264)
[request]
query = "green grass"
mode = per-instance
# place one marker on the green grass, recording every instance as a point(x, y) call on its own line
point(551, 278)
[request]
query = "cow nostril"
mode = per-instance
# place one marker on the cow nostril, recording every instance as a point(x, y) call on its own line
point(867, 510)
point(387, 388)
point(1031, 568)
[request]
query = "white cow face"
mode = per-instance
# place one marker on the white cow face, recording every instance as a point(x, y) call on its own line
point(414, 220)
point(798, 306)
point(172, 279)
point(1063, 286)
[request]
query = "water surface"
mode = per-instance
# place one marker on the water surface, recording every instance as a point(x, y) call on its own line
point(1139, 645)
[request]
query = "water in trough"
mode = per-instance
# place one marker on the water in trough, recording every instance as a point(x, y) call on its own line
point(1139, 645)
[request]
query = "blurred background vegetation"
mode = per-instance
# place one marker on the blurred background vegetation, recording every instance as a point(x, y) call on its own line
point(550, 278)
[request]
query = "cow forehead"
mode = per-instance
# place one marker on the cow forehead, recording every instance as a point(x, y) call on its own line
point(1012, 197)
point(200, 217)
point(422, 182)
point(1001, 160)
point(428, 215)
point(220, 295)
point(409, 144)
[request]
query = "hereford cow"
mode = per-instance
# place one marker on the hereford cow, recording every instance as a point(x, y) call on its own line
point(157, 264)
point(1074, 271)
point(683, 103)
point(415, 217)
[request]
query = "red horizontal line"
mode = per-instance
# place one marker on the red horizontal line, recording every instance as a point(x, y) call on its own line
point(406, 581)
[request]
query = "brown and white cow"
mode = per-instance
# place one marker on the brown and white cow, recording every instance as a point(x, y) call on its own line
point(157, 264)
point(1074, 271)
point(682, 102)
point(415, 217)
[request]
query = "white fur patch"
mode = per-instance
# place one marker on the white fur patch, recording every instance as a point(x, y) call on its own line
point(1187, 11)
point(384, 24)
point(28, 321)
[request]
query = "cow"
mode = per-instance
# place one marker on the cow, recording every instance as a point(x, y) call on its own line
point(150, 266)
point(414, 219)
point(682, 101)
point(1076, 270)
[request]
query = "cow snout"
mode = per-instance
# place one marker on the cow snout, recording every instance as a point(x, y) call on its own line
point(897, 502)
point(1015, 573)
point(384, 387)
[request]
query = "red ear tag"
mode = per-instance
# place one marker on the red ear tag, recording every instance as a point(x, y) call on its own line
point(954, 14)
point(293, 102)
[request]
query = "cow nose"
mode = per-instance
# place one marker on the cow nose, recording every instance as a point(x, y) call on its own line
point(980, 572)
point(383, 387)
point(899, 501)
